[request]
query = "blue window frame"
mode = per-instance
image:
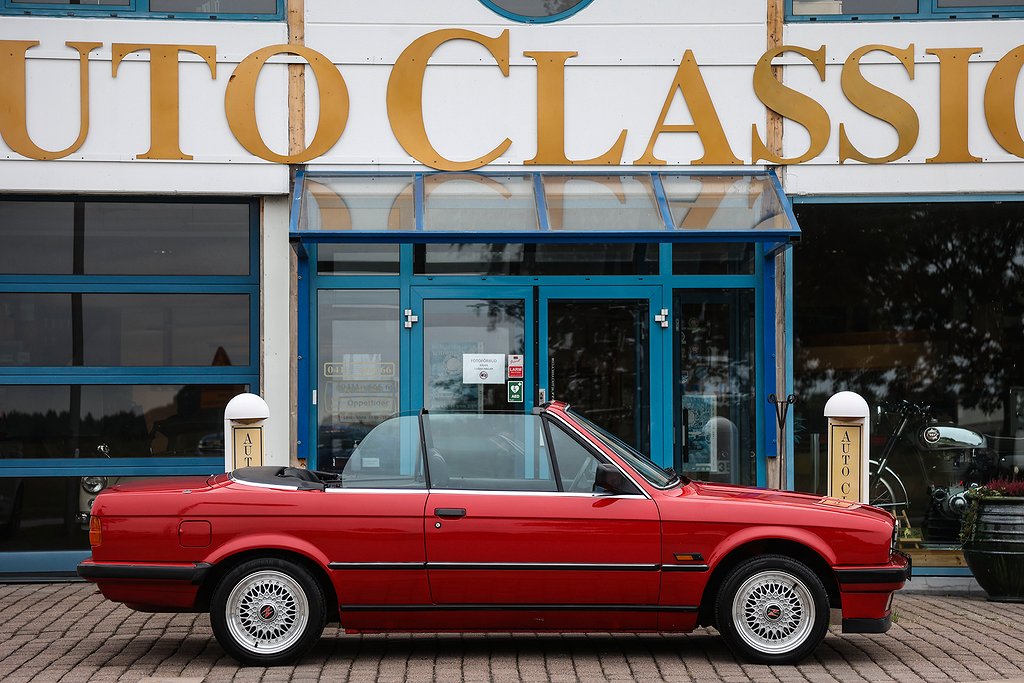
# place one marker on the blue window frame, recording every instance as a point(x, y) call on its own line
point(95, 283)
point(900, 10)
point(533, 12)
point(231, 10)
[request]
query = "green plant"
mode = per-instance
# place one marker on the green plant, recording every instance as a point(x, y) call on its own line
point(996, 488)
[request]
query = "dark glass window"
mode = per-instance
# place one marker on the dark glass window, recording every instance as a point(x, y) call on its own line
point(166, 238)
point(215, 6)
point(727, 258)
point(57, 237)
point(826, 7)
point(536, 259)
point(357, 259)
point(190, 351)
point(921, 303)
point(116, 421)
point(538, 8)
point(39, 514)
point(715, 382)
point(48, 329)
point(37, 237)
point(235, 9)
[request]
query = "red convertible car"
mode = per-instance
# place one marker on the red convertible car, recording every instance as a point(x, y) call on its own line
point(474, 522)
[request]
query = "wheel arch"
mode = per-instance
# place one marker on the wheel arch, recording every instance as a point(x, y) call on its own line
point(788, 547)
point(230, 561)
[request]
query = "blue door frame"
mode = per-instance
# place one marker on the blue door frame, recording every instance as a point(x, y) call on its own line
point(414, 289)
point(418, 352)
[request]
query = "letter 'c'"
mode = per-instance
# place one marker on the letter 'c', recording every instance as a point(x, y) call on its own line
point(405, 97)
point(240, 103)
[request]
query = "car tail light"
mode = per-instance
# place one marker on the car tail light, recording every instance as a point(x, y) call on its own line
point(95, 531)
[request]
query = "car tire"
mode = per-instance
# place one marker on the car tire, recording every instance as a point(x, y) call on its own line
point(268, 611)
point(772, 609)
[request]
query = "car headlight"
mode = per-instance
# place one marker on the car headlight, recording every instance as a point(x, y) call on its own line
point(94, 484)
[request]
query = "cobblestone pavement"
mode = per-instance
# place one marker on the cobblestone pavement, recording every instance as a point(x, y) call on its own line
point(66, 632)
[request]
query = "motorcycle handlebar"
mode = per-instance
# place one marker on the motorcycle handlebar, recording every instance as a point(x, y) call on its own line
point(904, 407)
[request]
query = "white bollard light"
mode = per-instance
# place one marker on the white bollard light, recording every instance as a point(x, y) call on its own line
point(849, 439)
point(244, 418)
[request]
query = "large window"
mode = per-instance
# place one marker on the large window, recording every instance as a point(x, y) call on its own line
point(896, 10)
point(158, 9)
point(920, 309)
point(125, 327)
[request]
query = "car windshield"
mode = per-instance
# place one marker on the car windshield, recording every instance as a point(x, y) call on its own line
point(643, 465)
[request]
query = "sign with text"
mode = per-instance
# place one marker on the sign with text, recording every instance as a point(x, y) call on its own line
point(247, 446)
point(515, 366)
point(483, 368)
point(845, 442)
point(515, 391)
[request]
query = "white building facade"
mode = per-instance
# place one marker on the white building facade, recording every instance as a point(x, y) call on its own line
point(668, 214)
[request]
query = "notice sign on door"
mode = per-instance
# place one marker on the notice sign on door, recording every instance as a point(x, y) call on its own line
point(483, 368)
point(515, 391)
point(515, 366)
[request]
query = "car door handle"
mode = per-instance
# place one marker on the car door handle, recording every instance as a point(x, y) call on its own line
point(450, 513)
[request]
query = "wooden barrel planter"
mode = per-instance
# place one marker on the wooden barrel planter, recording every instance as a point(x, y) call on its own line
point(994, 547)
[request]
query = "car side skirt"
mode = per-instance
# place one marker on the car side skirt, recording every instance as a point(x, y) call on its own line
point(192, 573)
point(518, 608)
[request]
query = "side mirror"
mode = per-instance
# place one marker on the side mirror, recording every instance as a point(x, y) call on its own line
point(610, 479)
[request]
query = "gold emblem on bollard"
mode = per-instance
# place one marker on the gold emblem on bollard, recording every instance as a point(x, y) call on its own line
point(247, 444)
point(844, 443)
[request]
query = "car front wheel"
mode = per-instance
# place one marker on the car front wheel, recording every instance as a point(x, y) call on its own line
point(772, 610)
point(267, 612)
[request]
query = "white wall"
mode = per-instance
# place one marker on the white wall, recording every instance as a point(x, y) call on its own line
point(275, 331)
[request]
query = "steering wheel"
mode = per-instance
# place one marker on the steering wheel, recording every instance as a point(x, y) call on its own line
point(574, 487)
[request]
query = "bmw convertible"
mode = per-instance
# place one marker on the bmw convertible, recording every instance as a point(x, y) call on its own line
point(493, 522)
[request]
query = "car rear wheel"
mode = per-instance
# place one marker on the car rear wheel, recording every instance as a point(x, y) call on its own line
point(772, 609)
point(267, 612)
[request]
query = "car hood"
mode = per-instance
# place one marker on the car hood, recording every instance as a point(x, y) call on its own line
point(751, 494)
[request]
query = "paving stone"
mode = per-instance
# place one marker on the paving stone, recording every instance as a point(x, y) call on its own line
point(66, 633)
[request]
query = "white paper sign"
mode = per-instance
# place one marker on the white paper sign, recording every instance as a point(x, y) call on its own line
point(483, 368)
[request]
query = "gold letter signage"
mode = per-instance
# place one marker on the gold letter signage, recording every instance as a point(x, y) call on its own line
point(1001, 102)
point(881, 104)
point(13, 105)
point(706, 123)
point(844, 444)
point(790, 104)
point(405, 97)
point(163, 92)
point(247, 443)
point(551, 115)
point(405, 104)
point(240, 104)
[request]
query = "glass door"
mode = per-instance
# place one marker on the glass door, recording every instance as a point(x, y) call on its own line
point(715, 385)
point(358, 368)
point(471, 348)
point(599, 347)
